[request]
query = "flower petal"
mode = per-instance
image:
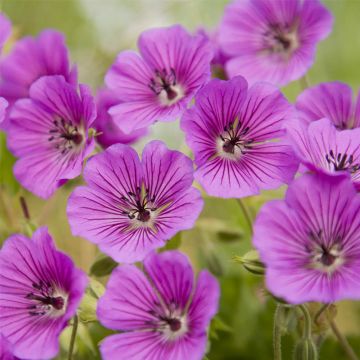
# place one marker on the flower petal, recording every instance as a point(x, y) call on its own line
point(59, 97)
point(129, 302)
point(173, 277)
point(332, 100)
point(25, 262)
point(205, 302)
point(150, 346)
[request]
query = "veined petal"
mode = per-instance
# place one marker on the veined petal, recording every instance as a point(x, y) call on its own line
point(205, 302)
point(309, 241)
point(320, 146)
point(331, 100)
point(236, 136)
point(33, 272)
point(172, 275)
point(59, 97)
point(129, 302)
point(272, 41)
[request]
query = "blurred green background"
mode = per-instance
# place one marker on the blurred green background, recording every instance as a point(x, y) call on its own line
point(96, 30)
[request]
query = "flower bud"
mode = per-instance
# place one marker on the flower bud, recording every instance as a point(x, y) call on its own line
point(305, 349)
point(251, 262)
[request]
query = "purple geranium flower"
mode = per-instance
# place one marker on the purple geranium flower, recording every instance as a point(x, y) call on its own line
point(110, 133)
point(320, 146)
point(6, 349)
point(163, 314)
point(131, 207)
point(32, 58)
point(273, 40)
point(231, 131)
point(159, 84)
point(40, 290)
point(310, 241)
point(332, 100)
point(49, 133)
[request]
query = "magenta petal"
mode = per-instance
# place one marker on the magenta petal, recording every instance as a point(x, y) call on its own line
point(129, 77)
point(32, 58)
point(222, 101)
point(150, 346)
point(54, 54)
point(172, 276)
point(131, 116)
point(40, 168)
point(237, 138)
point(6, 349)
point(159, 84)
point(166, 173)
point(321, 147)
point(34, 266)
point(49, 134)
point(332, 100)
point(134, 346)
point(319, 214)
point(58, 97)
point(110, 133)
point(3, 105)
point(130, 208)
point(94, 211)
point(205, 301)
point(190, 58)
point(272, 41)
point(316, 21)
point(88, 105)
point(165, 317)
point(129, 300)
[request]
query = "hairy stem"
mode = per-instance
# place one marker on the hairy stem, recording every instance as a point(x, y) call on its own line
point(247, 214)
point(277, 332)
point(73, 336)
point(307, 321)
point(322, 309)
point(343, 341)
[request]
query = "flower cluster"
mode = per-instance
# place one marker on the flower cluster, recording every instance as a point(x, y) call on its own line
point(245, 137)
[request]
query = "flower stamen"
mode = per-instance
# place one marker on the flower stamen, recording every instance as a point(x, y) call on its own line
point(341, 162)
point(65, 135)
point(165, 86)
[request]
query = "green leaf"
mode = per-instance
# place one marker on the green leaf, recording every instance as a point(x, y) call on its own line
point(102, 266)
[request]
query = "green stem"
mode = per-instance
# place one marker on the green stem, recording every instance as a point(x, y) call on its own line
point(247, 214)
point(322, 309)
point(73, 336)
point(343, 341)
point(277, 332)
point(307, 321)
